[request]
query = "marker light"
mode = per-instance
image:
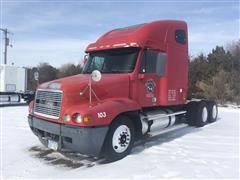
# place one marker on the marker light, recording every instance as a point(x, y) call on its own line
point(66, 117)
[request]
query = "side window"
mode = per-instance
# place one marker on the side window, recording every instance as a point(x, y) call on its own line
point(160, 66)
point(149, 61)
point(180, 36)
point(97, 63)
point(153, 62)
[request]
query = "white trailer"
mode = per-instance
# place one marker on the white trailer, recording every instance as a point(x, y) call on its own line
point(12, 83)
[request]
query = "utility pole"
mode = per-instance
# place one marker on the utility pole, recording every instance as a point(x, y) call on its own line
point(6, 43)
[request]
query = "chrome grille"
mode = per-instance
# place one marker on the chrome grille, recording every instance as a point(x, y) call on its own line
point(48, 103)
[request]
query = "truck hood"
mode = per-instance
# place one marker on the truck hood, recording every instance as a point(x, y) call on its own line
point(110, 86)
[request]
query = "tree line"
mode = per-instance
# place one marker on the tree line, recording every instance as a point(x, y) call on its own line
point(48, 73)
point(217, 75)
point(213, 76)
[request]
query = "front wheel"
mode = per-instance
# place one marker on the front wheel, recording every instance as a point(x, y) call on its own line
point(120, 139)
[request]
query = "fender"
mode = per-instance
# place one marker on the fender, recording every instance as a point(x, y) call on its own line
point(105, 112)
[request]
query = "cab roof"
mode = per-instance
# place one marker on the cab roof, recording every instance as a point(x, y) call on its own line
point(156, 34)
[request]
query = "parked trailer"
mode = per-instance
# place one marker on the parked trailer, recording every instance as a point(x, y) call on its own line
point(134, 82)
point(12, 83)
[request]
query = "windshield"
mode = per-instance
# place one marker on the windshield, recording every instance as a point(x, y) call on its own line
point(112, 61)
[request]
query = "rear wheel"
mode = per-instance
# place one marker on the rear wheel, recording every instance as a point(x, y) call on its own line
point(120, 139)
point(202, 114)
point(191, 113)
point(197, 113)
point(212, 111)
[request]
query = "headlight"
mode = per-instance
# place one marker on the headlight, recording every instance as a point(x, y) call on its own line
point(78, 118)
point(66, 118)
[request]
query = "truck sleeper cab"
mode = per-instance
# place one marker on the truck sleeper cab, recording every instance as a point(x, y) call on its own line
point(134, 82)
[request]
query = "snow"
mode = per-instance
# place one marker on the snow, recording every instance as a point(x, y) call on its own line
point(186, 152)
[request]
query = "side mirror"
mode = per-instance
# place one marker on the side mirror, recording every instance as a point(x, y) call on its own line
point(85, 58)
point(96, 75)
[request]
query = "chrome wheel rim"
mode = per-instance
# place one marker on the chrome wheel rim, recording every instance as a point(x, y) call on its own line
point(204, 114)
point(214, 111)
point(121, 139)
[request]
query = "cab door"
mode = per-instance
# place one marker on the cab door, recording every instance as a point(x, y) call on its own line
point(151, 70)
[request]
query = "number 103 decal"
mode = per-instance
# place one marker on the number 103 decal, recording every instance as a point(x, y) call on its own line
point(101, 114)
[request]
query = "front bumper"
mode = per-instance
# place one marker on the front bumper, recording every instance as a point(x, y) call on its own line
point(85, 140)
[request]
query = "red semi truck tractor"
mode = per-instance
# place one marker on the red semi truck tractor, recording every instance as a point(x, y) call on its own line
point(134, 82)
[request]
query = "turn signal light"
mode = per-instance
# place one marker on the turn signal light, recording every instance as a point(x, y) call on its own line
point(87, 119)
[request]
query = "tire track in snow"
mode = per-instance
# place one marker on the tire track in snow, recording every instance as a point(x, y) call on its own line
point(65, 159)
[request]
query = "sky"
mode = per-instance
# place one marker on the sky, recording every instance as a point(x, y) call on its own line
point(58, 31)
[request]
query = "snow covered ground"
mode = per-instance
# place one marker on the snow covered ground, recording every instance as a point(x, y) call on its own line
point(208, 152)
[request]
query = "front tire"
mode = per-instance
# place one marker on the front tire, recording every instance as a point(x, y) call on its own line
point(120, 139)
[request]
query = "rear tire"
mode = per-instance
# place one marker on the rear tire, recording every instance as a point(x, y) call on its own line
point(120, 139)
point(191, 113)
point(202, 114)
point(197, 113)
point(212, 111)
